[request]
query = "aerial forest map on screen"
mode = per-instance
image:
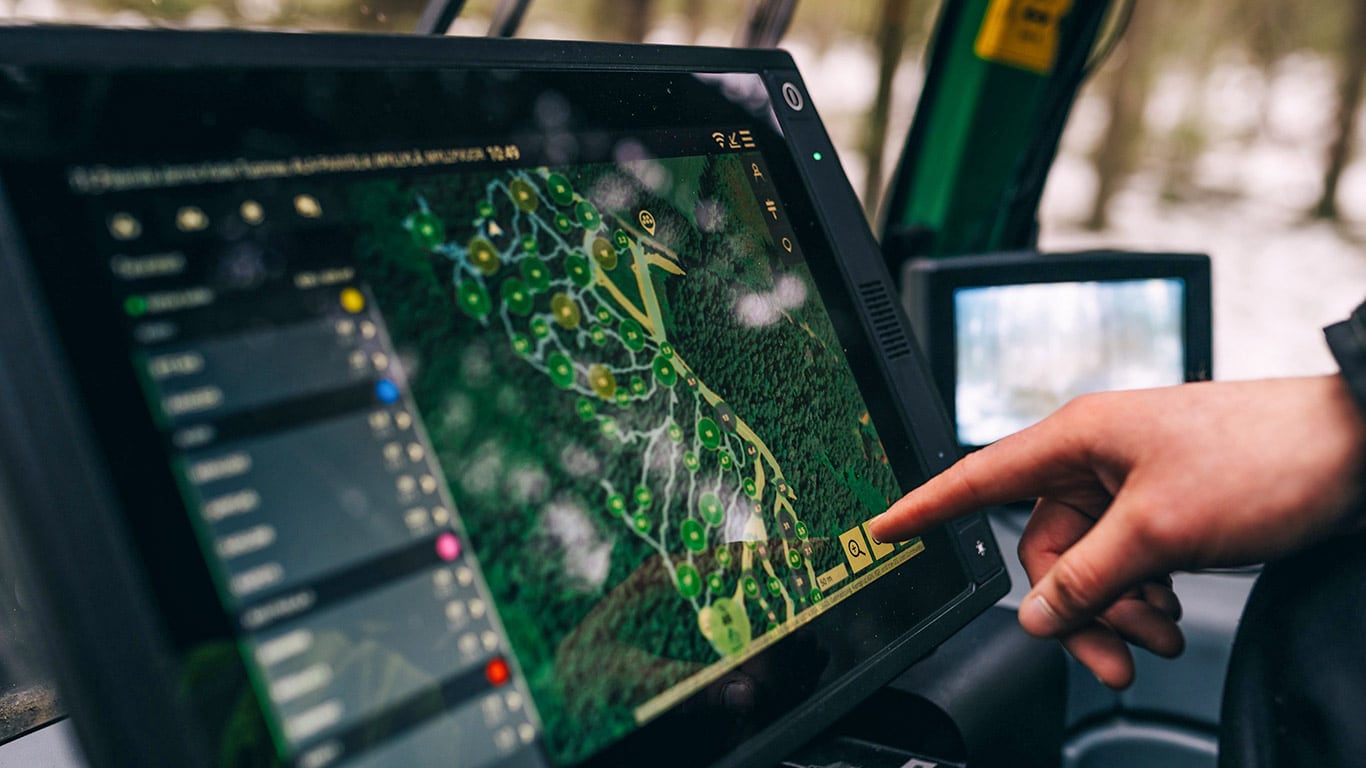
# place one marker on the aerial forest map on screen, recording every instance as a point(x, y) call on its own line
point(645, 417)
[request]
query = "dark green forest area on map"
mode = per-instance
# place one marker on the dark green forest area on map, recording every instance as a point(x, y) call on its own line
point(581, 490)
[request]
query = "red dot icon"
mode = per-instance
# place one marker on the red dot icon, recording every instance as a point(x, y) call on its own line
point(447, 547)
point(497, 671)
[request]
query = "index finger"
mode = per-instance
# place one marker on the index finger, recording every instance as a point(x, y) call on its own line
point(1019, 466)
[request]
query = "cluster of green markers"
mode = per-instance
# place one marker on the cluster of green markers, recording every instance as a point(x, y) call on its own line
point(479, 261)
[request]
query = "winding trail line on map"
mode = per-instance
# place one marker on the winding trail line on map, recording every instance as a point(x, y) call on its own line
point(579, 275)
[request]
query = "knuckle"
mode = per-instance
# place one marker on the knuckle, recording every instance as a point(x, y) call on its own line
point(1158, 531)
point(1076, 586)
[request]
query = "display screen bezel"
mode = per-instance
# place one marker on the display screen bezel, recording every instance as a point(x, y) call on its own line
point(934, 284)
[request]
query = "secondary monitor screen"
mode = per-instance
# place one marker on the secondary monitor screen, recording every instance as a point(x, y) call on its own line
point(515, 442)
point(1024, 350)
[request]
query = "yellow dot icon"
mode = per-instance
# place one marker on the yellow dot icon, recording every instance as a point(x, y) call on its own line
point(352, 301)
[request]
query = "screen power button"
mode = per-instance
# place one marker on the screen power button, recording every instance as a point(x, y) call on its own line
point(793, 96)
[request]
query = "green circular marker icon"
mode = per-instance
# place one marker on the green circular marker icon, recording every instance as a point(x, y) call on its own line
point(725, 460)
point(588, 215)
point(565, 310)
point(711, 509)
point(675, 433)
point(801, 529)
point(716, 583)
point(688, 580)
point(585, 408)
point(428, 231)
point(563, 223)
point(750, 586)
point(484, 209)
point(598, 335)
point(473, 298)
point(529, 244)
point(638, 386)
point(524, 195)
point(723, 555)
point(643, 496)
point(540, 328)
point(641, 521)
point(577, 267)
point(604, 254)
point(558, 187)
point(691, 461)
point(694, 535)
point(535, 273)
point(517, 297)
point(603, 315)
point(608, 426)
point(725, 624)
point(709, 433)
point(623, 397)
point(775, 587)
point(632, 335)
point(616, 503)
point(794, 559)
point(664, 370)
point(666, 349)
point(136, 306)
point(483, 256)
point(816, 596)
point(622, 240)
point(521, 344)
point(751, 488)
point(561, 369)
point(602, 382)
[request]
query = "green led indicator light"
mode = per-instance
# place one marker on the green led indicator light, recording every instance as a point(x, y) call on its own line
point(135, 306)
point(816, 155)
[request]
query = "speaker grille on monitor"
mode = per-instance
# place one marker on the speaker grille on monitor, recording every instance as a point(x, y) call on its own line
point(881, 309)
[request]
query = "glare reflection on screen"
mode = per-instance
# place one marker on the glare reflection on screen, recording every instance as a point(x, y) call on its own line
point(1025, 350)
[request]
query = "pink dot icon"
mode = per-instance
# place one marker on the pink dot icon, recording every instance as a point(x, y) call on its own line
point(447, 547)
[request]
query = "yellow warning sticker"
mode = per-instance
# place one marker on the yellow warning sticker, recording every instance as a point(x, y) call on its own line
point(1022, 33)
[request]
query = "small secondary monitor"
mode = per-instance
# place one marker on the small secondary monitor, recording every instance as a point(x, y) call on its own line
point(1013, 337)
point(383, 402)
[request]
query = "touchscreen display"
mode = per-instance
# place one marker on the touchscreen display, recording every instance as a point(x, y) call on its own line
point(504, 448)
point(1025, 350)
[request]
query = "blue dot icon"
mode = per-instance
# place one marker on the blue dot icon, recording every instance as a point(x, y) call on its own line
point(386, 391)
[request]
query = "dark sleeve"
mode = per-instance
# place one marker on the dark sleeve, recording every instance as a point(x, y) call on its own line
point(1295, 695)
point(1347, 340)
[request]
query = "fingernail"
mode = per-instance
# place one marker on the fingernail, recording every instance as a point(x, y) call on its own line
point(1038, 617)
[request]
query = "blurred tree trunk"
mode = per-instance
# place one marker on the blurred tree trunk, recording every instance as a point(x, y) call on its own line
point(636, 19)
point(628, 20)
point(891, 38)
point(1351, 76)
point(1125, 95)
point(695, 10)
point(1273, 24)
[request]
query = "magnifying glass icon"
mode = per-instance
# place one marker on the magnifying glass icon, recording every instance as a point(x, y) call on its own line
point(855, 550)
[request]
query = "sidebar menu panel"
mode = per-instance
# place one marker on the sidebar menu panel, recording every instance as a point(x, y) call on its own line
point(336, 549)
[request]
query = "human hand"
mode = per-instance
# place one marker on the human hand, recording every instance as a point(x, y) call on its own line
point(1134, 485)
